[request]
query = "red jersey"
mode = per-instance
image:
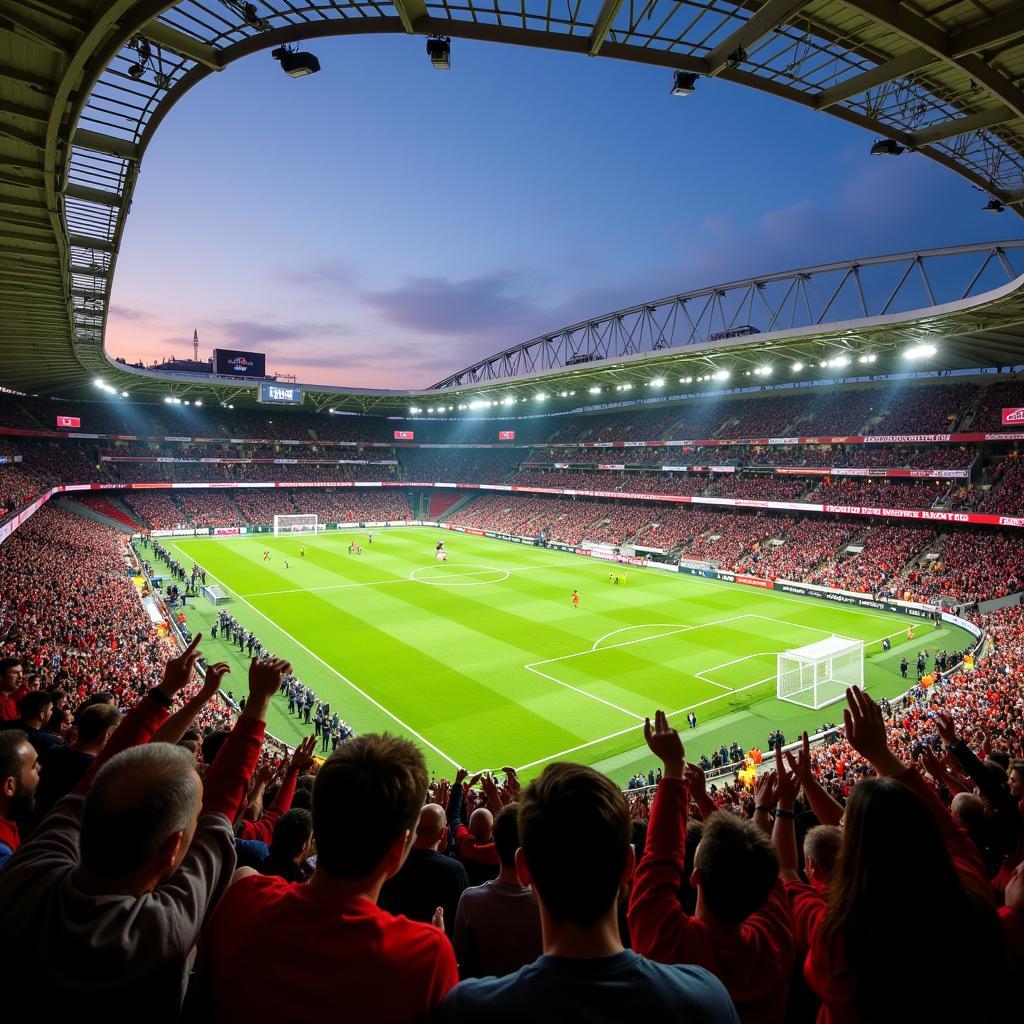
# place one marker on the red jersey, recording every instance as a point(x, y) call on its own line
point(305, 947)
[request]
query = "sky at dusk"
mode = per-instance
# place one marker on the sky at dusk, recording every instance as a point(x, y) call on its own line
point(383, 224)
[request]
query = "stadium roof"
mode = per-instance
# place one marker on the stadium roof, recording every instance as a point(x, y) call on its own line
point(84, 84)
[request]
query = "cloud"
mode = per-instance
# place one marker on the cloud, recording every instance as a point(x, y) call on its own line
point(127, 313)
point(258, 332)
point(443, 306)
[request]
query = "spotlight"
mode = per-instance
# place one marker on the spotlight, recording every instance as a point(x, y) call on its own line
point(627, 387)
point(169, 400)
point(136, 70)
point(797, 366)
point(595, 391)
point(439, 50)
point(868, 357)
point(99, 382)
point(721, 375)
point(993, 206)
point(919, 351)
point(658, 382)
point(124, 394)
point(540, 397)
point(198, 401)
point(684, 83)
point(887, 147)
point(840, 361)
point(296, 63)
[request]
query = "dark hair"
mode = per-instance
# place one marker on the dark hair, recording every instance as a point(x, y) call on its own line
point(382, 776)
point(210, 747)
point(138, 800)
point(8, 663)
point(10, 753)
point(94, 721)
point(568, 809)
point(291, 834)
point(891, 834)
point(506, 834)
point(738, 867)
point(34, 703)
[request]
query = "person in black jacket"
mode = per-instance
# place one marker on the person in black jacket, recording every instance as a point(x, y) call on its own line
point(428, 879)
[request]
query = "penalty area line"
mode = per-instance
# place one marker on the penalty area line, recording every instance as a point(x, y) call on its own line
point(331, 668)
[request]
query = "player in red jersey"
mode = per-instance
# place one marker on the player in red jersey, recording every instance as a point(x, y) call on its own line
point(575, 599)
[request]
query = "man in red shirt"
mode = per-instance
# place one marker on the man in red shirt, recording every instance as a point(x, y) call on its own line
point(10, 688)
point(326, 942)
point(741, 929)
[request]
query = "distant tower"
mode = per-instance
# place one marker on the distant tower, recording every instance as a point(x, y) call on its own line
point(195, 345)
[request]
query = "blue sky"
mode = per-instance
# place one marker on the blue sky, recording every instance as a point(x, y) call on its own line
point(382, 224)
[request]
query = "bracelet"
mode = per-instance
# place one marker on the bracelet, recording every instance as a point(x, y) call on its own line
point(780, 813)
point(759, 808)
point(161, 697)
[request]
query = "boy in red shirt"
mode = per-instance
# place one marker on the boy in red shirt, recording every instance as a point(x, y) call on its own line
point(326, 942)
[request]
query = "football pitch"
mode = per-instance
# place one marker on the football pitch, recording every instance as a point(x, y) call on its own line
point(485, 662)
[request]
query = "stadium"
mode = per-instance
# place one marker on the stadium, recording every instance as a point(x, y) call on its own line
point(672, 641)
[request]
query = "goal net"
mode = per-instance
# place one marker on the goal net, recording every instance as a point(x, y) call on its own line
point(296, 524)
point(819, 674)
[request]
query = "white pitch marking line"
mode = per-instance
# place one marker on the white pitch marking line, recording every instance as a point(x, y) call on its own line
point(584, 693)
point(641, 625)
point(641, 640)
point(725, 664)
point(384, 583)
point(671, 714)
point(331, 668)
point(622, 732)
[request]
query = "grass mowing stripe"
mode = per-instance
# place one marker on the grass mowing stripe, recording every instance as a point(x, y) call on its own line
point(331, 668)
point(450, 661)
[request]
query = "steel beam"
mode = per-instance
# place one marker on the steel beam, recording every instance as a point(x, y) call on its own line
point(769, 17)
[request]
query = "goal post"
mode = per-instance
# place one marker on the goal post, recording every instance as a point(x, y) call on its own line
point(818, 675)
point(297, 524)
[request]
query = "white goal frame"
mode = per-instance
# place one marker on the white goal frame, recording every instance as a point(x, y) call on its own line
point(818, 675)
point(297, 523)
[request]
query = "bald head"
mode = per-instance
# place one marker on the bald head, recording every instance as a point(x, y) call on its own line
point(430, 827)
point(143, 803)
point(481, 822)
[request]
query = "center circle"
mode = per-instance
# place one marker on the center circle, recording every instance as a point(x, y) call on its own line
point(445, 575)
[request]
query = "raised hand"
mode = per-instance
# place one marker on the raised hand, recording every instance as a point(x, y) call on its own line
point(475, 779)
point(265, 676)
point(178, 671)
point(438, 919)
point(946, 729)
point(303, 756)
point(766, 791)
point(460, 776)
point(695, 780)
point(494, 799)
point(214, 675)
point(865, 732)
point(787, 783)
point(665, 744)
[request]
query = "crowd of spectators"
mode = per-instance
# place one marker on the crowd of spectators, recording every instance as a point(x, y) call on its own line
point(994, 399)
point(839, 490)
point(885, 552)
point(972, 566)
point(807, 543)
point(169, 853)
point(929, 409)
point(1006, 495)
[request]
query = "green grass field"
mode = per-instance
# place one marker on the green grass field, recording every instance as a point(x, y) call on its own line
point(485, 662)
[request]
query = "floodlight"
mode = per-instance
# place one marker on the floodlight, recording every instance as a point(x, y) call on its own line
point(918, 351)
point(684, 83)
point(797, 366)
point(439, 50)
point(124, 394)
point(887, 147)
point(658, 382)
point(595, 391)
point(136, 70)
point(296, 63)
point(993, 206)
